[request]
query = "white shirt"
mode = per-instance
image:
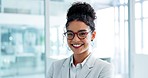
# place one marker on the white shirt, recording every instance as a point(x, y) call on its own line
point(74, 70)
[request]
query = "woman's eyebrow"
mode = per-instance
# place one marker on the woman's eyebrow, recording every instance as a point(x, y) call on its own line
point(82, 30)
point(77, 31)
point(69, 31)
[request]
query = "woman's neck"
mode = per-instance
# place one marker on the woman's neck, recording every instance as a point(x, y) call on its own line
point(79, 58)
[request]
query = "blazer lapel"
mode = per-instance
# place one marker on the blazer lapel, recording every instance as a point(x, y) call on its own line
point(65, 68)
point(87, 67)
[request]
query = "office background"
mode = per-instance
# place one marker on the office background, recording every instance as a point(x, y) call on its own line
point(31, 36)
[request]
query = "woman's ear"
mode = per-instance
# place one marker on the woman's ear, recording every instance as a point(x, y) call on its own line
point(93, 35)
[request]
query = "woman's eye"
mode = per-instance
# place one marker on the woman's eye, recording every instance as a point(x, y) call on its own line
point(82, 33)
point(69, 34)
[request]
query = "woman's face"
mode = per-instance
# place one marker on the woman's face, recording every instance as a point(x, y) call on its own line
point(82, 37)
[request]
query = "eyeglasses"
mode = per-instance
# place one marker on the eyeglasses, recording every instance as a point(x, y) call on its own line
point(82, 34)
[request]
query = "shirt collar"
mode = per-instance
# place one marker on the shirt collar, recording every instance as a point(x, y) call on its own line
point(82, 64)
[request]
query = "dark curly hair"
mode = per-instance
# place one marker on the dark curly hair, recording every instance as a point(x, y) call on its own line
point(81, 11)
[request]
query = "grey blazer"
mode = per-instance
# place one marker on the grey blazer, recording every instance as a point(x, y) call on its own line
point(93, 68)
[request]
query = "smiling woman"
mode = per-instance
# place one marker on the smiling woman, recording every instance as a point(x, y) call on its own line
point(80, 31)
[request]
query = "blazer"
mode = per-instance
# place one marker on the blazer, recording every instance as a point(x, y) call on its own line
point(93, 68)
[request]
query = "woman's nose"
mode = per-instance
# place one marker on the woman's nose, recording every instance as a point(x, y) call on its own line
point(76, 38)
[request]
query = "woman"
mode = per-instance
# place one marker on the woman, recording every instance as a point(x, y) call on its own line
point(80, 31)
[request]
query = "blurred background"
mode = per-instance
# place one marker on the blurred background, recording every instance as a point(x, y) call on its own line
point(31, 36)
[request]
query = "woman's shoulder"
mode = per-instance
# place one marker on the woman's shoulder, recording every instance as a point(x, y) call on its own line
point(103, 64)
point(103, 68)
point(61, 61)
point(101, 61)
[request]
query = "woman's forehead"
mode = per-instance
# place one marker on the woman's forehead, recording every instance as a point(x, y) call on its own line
point(77, 25)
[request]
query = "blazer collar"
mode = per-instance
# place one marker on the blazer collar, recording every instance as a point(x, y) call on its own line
point(87, 67)
point(66, 67)
point(84, 71)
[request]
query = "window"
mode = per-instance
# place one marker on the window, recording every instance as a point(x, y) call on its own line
point(138, 32)
point(22, 39)
point(145, 12)
point(138, 10)
point(145, 37)
point(141, 27)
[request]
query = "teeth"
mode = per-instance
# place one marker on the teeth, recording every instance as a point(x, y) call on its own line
point(76, 45)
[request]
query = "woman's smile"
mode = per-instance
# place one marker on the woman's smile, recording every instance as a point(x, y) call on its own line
point(77, 45)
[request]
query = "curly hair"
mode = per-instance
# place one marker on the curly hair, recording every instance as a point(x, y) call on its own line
point(81, 11)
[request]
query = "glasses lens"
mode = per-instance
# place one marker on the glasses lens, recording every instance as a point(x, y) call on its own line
point(82, 34)
point(70, 35)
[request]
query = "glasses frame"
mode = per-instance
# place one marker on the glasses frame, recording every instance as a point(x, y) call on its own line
point(76, 33)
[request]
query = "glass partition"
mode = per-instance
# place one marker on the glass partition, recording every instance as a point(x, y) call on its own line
point(22, 39)
point(141, 27)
